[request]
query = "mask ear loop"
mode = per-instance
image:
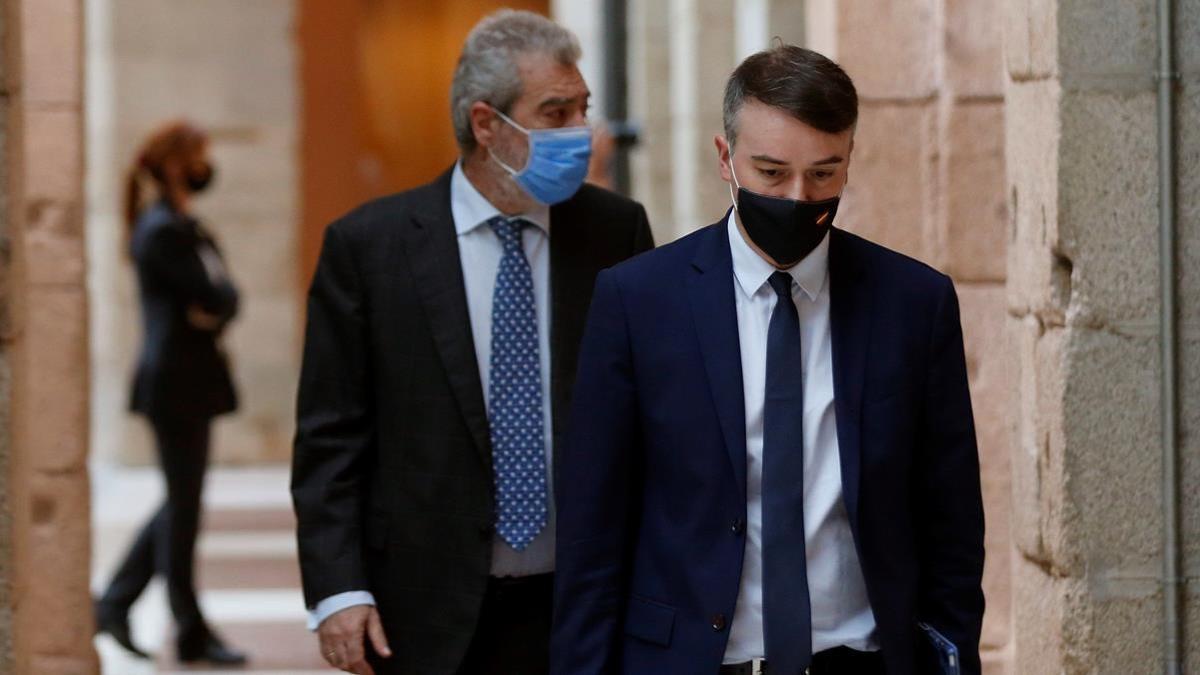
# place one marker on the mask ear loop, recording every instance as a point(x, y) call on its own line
point(735, 181)
point(511, 171)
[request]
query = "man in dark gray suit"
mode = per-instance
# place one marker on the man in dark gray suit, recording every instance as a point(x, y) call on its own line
point(443, 329)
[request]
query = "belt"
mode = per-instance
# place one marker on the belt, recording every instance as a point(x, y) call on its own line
point(752, 667)
point(836, 661)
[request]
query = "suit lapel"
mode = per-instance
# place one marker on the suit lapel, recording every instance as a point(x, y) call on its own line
point(571, 278)
point(710, 293)
point(850, 322)
point(432, 246)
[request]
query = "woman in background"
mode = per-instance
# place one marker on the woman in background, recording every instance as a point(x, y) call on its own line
point(182, 380)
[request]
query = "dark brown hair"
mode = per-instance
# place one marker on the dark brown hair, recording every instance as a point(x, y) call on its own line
point(173, 140)
point(799, 81)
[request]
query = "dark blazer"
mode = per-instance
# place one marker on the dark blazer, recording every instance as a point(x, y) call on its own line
point(181, 370)
point(392, 473)
point(649, 543)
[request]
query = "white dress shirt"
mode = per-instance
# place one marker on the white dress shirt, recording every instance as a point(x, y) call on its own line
point(480, 251)
point(841, 613)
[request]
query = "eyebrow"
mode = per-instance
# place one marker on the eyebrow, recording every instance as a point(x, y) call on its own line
point(768, 159)
point(832, 159)
point(561, 100)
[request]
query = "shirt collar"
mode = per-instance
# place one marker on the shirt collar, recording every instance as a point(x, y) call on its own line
point(752, 271)
point(470, 209)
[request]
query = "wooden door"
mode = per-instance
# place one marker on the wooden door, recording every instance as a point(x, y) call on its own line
point(376, 100)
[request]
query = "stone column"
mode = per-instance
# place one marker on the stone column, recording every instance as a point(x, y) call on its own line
point(927, 179)
point(46, 613)
point(681, 53)
point(1083, 303)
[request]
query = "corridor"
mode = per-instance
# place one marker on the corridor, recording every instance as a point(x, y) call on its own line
point(246, 568)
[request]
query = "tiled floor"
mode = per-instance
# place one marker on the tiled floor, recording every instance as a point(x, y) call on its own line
point(246, 568)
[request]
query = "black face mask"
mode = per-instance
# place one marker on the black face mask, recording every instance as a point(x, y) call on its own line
point(785, 229)
point(198, 181)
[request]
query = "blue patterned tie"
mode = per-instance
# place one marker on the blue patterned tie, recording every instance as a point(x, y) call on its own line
point(787, 614)
point(515, 396)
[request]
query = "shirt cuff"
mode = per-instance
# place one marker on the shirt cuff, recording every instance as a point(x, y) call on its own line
point(336, 603)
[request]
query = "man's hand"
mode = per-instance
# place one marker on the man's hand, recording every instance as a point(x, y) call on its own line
point(342, 639)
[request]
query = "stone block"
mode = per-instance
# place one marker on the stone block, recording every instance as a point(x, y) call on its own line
point(982, 311)
point(1189, 450)
point(1107, 37)
point(53, 402)
point(1039, 604)
point(53, 564)
point(1127, 631)
point(1108, 222)
point(52, 153)
point(1191, 617)
point(1045, 521)
point(974, 61)
point(53, 243)
point(1187, 28)
point(1187, 220)
point(64, 665)
point(1031, 163)
point(1112, 452)
point(51, 49)
point(996, 662)
point(889, 49)
point(891, 175)
point(1030, 38)
point(1026, 440)
point(975, 212)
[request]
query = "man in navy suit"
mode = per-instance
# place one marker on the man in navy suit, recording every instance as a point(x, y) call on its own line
point(771, 463)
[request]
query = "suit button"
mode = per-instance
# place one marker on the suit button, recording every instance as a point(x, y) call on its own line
point(737, 527)
point(718, 622)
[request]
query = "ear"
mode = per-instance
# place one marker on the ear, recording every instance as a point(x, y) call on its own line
point(849, 155)
point(723, 157)
point(483, 123)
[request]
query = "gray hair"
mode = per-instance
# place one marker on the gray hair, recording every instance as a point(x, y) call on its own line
point(487, 68)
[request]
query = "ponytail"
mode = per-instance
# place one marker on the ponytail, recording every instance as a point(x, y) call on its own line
point(133, 196)
point(165, 144)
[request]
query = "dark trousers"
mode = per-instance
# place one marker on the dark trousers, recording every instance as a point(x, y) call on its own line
point(167, 543)
point(513, 633)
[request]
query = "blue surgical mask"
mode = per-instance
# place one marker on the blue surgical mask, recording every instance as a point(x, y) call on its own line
point(557, 164)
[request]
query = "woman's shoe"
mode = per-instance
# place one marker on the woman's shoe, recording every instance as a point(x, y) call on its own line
point(116, 624)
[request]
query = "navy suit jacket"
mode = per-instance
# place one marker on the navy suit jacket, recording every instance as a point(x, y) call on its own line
point(653, 476)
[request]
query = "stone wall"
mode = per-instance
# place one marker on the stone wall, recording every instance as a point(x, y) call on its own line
point(46, 613)
point(1083, 302)
point(230, 66)
point(927, 179)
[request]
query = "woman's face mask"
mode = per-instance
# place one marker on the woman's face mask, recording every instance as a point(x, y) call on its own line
point(199, 178)
point(557, 164)
point(785, 229)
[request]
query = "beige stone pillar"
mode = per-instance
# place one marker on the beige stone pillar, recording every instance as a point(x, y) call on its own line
point(1083, 281)
point(43, 344)
point(680, 54)
point(927, 178)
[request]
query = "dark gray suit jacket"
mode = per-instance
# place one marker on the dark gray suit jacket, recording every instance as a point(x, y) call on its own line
point(392, 472)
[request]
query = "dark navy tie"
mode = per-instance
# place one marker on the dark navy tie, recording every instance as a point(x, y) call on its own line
point(515, 396)
point(787, 614)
